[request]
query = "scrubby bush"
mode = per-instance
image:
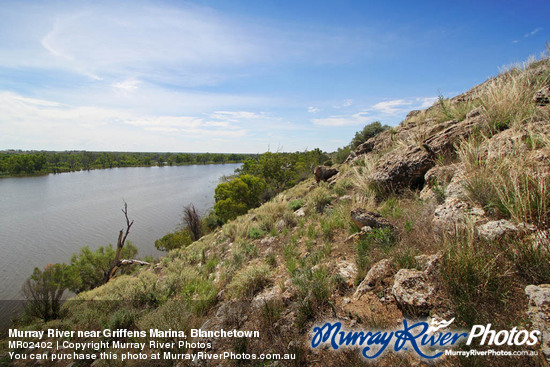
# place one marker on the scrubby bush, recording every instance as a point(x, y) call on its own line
point(237, 196)
point(44, 290)
point(91, 267)
point(173, 241)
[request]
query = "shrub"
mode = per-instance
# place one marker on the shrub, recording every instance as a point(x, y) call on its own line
point(44, 290)
point(319, 198)
point(192, 221)
point(237, 196)
point(249, 281)
point(369, 131)
point(256, 232)
point(174, 240)
point(91, 267)
point(296, 204)
point(477, 279)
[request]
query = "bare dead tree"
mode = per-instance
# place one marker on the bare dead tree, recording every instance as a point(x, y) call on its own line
point(117, 261)
point(193, 221)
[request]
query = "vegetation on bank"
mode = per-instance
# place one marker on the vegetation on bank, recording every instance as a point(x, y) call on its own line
point(17, 162)
point(287, 264)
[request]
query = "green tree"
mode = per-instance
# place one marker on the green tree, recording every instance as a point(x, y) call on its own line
point(91, 267)
point(44, 290)
point(369, 131)
point(237, 196)
point(173, 241)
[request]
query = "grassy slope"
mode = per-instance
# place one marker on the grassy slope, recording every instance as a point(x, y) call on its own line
point(298, 258)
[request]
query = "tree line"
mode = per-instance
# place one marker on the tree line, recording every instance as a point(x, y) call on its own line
point(17, 162)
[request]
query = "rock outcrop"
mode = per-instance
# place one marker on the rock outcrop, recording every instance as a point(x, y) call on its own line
point(413, 291)
point(363, 218)
point(539, 313)
point(542, 96)
point(323, 173)
point(376, 274)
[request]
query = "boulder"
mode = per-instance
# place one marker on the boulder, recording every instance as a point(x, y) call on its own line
point(413, 291)
point(440, 175)
point(442, 143)
point(377, 273)
point(455, 213)
point(346, 270)
point(323, 173)
point(268, 295)
point(300, 213)
point(402, 168)
point(539, 313)
point(497, 229)
point(363, 218)
point(429, 263)
point(542, 96)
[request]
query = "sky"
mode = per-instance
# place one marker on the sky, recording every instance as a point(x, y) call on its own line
point(242, 76)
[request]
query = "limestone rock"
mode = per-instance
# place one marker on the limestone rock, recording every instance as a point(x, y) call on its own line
point(363, 218)
point(376, 143)
point(498, 229)
point(346, 270)
point(440, 175)
point(443, 142)
point(377, 272)
point(300, 213)
point(539, 313)
point(402, 168)
point(413, 291)
point(267, 295)
point(542, 96)
point(323, 173)
point(429, 263)
point(455, 212)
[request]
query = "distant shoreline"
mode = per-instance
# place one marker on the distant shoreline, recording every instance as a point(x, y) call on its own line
point(46, 173)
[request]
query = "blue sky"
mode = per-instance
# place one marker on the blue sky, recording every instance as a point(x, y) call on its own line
point(242, 76)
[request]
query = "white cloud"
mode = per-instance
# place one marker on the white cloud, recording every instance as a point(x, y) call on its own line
point(182, 44)
point(127, 85)
point(426, 102)
point(29, 123)
point(355, 119)
point(234, 116)
point(344, 104)
point(533, 32)
point(385, 111)
point(392, 107)
point(312, 109)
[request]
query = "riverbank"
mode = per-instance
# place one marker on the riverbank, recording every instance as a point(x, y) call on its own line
point(16, 163)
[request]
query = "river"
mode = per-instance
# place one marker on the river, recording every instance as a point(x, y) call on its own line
point(46, 219)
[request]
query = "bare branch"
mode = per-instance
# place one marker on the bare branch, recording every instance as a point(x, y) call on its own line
point(115, 264)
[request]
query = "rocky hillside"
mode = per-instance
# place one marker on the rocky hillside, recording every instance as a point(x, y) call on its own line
point(445, 216)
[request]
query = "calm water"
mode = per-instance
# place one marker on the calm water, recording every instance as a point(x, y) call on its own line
point(46, 219)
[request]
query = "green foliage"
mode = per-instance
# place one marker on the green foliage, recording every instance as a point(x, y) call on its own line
point(91, 267)
point(319, 198)
point(237, 196)
point(256, 232)
point(369, 131)
point(532, 258)
point(249, 281)
point(378, 238)
point(24, 163)
point(283, 170)
point(173, 241)
point(477, 279)
point(44, 289)
point(296, 204)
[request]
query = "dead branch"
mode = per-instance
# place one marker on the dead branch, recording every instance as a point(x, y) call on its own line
point(124, 262)
point(117, 262)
